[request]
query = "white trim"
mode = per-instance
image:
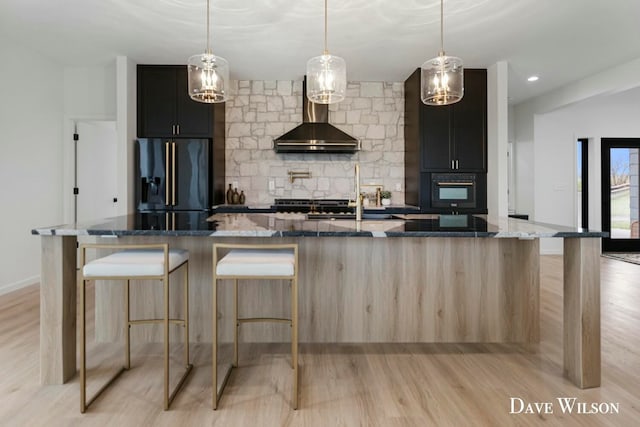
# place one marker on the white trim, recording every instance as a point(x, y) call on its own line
point(10, 287)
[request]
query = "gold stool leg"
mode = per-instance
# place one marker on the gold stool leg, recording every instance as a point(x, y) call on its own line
point(236, 325)
point(83, 347)
point(214, 363)
point(294, 338)
point(186, 315)
point(166, 341)
point(185, 323)
point(127, 326)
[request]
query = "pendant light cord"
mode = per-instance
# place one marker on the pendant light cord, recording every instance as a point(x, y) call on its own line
point(208, 36)
point(326, 51)
point(441, 27)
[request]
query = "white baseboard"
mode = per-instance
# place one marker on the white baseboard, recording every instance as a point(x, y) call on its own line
point(10, 287)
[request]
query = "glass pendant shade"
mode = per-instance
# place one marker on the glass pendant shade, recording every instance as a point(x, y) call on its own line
point(326, 79)
point(208, 78)
point(442, 80)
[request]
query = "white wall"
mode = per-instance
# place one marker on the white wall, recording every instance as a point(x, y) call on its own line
point(31, 162)
point(524, 161)
point(126, 77)
point(497, 139)
point(554, 151)
point(88, 93)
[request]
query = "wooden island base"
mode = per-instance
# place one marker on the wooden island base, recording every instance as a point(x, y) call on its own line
point(363, 290)
point(353, 289)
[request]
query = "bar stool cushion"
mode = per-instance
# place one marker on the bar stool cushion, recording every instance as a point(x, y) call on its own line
point(254, 262)
point(134, 263)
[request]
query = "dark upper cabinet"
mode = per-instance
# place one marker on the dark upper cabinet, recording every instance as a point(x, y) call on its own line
point(453, 137)
point(164, 106)
point(469, 124)
point(435, 138)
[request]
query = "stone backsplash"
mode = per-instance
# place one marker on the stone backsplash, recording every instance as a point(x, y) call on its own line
point(260, 111)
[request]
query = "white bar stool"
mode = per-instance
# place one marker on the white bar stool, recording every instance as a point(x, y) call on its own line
point(140, 262)
point(251, 262)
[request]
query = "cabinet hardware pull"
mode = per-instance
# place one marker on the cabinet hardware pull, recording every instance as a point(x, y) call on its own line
point(177, 129)
point(452, 164)
point(457, 164)
point(166, 175)
point(173, 173)
point(467, 184)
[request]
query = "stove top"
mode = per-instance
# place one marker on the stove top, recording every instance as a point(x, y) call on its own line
point(313, 205)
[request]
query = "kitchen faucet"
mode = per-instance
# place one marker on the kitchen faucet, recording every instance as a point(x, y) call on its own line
point(358, 196)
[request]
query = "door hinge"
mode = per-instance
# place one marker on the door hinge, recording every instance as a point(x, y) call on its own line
point(75, 137)
point(76, 190)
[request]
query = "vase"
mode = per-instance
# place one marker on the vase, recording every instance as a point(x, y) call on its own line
point(229, 196)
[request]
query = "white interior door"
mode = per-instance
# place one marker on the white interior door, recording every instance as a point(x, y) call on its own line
point(97, 169)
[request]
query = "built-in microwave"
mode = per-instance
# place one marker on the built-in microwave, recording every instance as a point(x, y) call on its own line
point(453, 190)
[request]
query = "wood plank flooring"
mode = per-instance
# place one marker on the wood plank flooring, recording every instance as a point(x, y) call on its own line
point(345, 385)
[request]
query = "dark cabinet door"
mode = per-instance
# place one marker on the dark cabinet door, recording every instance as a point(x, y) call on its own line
point(194, 119)
point(156, 101)
point(454, 137)
point(468, 127)
point(164, 106)
point(435, 135)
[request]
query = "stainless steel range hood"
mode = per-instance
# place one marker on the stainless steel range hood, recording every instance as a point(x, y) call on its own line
point(315, 134)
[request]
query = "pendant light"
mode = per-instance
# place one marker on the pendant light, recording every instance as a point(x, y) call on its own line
point(208, 75)
point(326, 74)
point(443, 76)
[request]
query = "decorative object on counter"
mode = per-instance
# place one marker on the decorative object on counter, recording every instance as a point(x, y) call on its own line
point(293, 175)
point(266, 262)
point(386, 198)
point(442, 76)
point(326, 74)
point(208, 74)
point(229, 196)
point(233, 197)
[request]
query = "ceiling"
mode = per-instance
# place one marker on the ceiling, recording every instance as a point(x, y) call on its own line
point(381, 40)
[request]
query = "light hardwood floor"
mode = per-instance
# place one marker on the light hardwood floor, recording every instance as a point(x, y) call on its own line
point(346, 385)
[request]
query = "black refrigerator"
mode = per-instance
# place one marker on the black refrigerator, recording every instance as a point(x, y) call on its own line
point(173, 180)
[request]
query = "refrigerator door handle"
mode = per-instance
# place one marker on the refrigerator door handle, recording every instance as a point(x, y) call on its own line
point(173, 174)
point(168, 172)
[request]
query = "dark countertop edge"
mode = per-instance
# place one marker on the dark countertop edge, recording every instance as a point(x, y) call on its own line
point(303, 233)
point(105, 228)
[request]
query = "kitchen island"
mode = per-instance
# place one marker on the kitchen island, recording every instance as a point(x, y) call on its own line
point(400, 278)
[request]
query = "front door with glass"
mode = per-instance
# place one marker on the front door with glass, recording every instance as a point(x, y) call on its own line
point(620, 194)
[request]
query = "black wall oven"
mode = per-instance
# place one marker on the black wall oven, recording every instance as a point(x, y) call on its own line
point(455, 192)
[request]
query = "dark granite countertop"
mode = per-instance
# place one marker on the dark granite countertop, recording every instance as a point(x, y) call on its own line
point(297, 225)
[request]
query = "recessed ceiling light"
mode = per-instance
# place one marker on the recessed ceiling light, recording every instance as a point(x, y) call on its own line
point(532, 79)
